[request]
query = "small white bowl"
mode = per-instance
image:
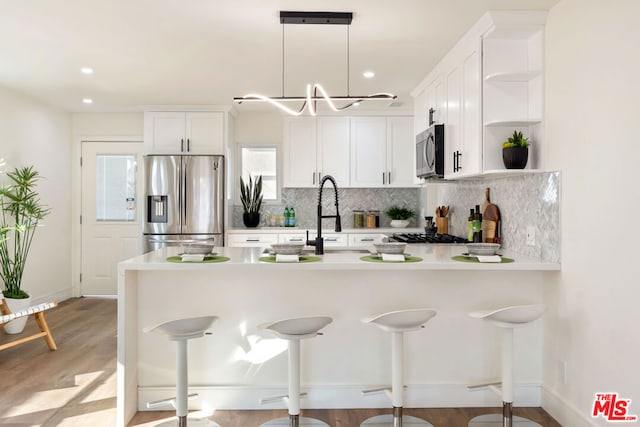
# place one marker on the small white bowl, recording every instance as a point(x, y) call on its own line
point(287, 248)
point(390, 247)
point(483, 248)
point(197, 248)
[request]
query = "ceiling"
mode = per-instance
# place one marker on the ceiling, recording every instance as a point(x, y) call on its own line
point(205, 52)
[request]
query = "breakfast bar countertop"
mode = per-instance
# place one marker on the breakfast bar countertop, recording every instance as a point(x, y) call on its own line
point(434, 257)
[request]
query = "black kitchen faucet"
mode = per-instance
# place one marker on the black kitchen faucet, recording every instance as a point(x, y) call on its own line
point(318, 242)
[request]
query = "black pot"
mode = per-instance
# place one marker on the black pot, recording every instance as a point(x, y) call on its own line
point(251, 219)
point(515, 157)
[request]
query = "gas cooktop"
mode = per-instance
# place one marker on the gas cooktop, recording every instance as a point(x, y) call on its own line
point(427, 238)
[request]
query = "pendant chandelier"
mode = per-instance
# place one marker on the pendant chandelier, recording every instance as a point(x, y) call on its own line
point(315, 92)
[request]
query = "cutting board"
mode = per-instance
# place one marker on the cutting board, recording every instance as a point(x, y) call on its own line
point(490, 218)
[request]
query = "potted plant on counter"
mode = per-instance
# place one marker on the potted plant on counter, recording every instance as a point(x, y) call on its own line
point(21, 213)
point(251, 198)
point(515, 151)
point(399, 216)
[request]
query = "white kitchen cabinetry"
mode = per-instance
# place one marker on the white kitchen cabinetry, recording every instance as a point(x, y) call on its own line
point(178, 132)
point(251, 239)
point(463, 115)
point(314, 147)
point(492, 82)
point(363, 240)
point(382, 152)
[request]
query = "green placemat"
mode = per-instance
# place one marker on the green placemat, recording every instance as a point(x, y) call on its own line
point(215, 258)
point(378, 258)
point(464, 258)
point(303, 258)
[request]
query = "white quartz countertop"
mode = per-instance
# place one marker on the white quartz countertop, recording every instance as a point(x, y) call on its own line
point(284, 230)
point(434, 257)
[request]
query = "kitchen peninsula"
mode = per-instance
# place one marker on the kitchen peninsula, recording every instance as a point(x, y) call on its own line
point(238, 364)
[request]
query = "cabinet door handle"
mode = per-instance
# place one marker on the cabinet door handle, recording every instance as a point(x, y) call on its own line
point(314, 178)
point(331, 239)
point(367, 239)
point(188, 145)
point(295, 239)
point(389, 178)
point(459, 167)
point(252, 240)
point(181, 145)
point(383, 183)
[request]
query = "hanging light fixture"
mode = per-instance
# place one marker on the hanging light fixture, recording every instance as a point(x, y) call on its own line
point(315, 92)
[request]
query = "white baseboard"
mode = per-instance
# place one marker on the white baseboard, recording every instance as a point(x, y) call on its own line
point(341, 396)
point(60, 295)
point(563, 411)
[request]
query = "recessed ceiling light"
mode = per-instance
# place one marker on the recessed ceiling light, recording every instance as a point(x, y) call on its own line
point(86, 70)
point(87, 101)
point(369, 74)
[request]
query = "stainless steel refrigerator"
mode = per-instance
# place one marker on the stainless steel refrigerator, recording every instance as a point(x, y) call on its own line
point(184, 200)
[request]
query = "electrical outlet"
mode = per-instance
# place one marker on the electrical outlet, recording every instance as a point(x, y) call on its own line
point(531, 236)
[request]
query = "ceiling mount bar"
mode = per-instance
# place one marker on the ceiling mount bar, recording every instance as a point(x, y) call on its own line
point(332, 18)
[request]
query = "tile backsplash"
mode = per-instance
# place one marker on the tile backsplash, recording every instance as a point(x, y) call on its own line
point(305, 203)
point(525, 201)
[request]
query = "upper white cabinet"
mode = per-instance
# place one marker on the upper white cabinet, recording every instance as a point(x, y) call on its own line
point(488, 86)
point(314, 147)
point(178, 132)
point(382, 152)
point(368, 151)
point(463, 114)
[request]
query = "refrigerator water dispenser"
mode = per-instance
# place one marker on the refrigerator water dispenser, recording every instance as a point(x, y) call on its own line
point(157, 209)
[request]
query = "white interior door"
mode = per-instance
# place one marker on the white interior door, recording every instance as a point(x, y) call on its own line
point(111, 212)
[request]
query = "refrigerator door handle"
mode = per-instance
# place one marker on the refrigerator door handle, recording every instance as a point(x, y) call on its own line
point(184, 196)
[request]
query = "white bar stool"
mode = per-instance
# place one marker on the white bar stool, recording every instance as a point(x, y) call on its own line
point(181, 331)
point(508, 319)
point(397, 323)
point(294, 330)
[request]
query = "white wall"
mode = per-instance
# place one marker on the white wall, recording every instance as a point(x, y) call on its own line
point(35, 134)
point(593, 112)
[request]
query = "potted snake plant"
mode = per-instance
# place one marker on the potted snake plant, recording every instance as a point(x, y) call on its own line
point(21, 212)
point(515, 151)
point(251, 198)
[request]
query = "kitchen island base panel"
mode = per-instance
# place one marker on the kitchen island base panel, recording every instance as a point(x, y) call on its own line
point(457, 350)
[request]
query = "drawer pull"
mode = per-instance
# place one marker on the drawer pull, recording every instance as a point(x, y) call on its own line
point(367, 239)
point(252, 240)
point(296, 239)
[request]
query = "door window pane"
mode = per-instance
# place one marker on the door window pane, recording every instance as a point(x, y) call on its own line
point(115, 188)
point(261, 161)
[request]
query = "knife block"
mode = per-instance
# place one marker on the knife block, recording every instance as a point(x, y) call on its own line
point(442, 225)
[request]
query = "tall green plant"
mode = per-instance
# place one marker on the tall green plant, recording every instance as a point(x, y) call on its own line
point(21, 213)
point(251, 195)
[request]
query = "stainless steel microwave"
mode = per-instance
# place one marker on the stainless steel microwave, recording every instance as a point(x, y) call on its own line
point(430, 152)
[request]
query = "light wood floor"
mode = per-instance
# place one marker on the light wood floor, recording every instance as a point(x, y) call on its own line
point(75, 386)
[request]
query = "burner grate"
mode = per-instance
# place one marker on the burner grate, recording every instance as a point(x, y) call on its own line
point(427, 238)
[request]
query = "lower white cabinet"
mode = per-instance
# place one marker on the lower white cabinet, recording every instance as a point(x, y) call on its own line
point(251, 240)
point(363, 240)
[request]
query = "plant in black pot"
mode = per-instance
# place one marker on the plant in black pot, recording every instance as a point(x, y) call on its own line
point(515, 151)
point(251, 198)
